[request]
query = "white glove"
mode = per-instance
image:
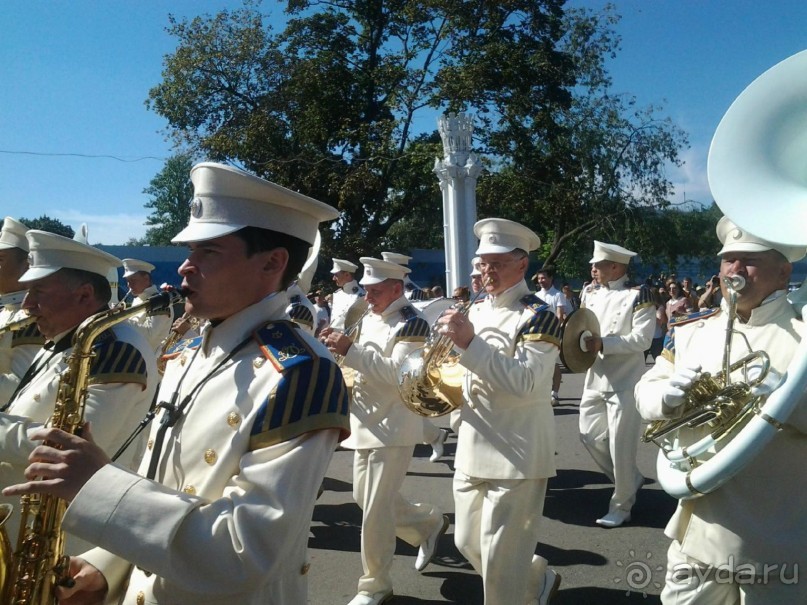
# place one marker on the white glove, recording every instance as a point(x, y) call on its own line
point(675, 391)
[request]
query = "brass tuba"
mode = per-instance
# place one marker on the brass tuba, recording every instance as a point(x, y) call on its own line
point(38, 565)
point(756, 158)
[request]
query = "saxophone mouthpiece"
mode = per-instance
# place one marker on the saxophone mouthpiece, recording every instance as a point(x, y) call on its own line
point(735, 282)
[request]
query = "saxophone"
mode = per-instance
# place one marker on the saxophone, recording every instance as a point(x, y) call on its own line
point(31, 574)
point(173, 338)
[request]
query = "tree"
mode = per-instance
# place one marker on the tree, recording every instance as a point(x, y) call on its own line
point(171, 192)
point(52, 225)
point(330, 107)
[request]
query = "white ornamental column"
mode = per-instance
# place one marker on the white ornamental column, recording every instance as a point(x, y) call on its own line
point(457, 173)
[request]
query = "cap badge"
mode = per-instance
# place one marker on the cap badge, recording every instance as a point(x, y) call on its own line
point(196, 207)
point(492, 239)
point(737, 234)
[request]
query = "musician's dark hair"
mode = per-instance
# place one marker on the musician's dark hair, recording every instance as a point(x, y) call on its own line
point(100, 285)
point(258, 240)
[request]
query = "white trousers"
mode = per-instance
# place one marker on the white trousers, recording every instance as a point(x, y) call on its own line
point(431, 433)
point(609, 428)
point(496, 528)
point(690, 582)
point(377, 478)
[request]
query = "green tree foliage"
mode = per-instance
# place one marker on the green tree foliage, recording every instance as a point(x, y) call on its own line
point(341, 106)
point(171, 192)
point(52, 225)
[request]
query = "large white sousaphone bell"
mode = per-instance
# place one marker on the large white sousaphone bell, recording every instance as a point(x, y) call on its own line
point(757, 172)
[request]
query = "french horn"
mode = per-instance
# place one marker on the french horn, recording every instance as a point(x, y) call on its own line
point(758, 157)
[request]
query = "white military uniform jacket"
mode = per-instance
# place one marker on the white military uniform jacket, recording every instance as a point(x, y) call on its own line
point(342, 299)
point(758, 516)
point(17, 350)
point(507, 428)
point(155, 327)
point(123, 378)
point(226, 519)
point(627, 322)
point(378, 416)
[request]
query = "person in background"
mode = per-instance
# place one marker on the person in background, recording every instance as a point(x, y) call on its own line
point(384, 431)
point(557, 302)
point(348, 292)
point(571, 297)
point(323, 312)
point(19, 347)
point(155, 327)
point(609, 421)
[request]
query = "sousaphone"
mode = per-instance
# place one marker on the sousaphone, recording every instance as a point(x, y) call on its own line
point(757, 171)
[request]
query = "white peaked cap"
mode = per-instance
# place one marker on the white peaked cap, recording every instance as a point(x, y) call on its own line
point(13, 235)
point(499, 236)
point(611, 252)
point(475, 271)
point(398, 259)
point(132, 266)
point(343, 265)
point(736, 239)
point(50, 252)
point(377, 270)
point(226, 199)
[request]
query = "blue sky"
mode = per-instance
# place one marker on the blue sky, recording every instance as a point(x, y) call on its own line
point(75, 75)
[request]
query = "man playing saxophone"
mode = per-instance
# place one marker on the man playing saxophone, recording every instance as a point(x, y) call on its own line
point(17, 347)
point(743, 542)
point(67, 283)
point(250, 414)
point(509, 345)
point(383, 431)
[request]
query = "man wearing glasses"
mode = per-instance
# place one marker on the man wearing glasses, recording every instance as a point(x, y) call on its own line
point(509, 345)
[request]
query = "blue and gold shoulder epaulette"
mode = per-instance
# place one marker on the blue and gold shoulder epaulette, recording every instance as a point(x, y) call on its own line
point(668, 350)
point(680, 320)
point(416, 294)
point(414, 328)
point(542, 325)
point(178, 347)
point(29, 335)
point(311, 394)
point(300, 314)
point(116, 361)
point(644, 298)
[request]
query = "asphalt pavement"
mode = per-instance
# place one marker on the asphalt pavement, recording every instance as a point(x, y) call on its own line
point(598, 566)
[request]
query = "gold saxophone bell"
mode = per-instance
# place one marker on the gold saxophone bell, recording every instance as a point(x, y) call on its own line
point(5, 547)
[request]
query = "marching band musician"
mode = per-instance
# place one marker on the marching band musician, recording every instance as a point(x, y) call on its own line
point(349, 290)
point(137, 274)
point(250, 415)
point(67, 283)
point(17, 348)
point(724, 541)
point(509, 345)
point(383, 431)
point(432, 435)
point(609, 422)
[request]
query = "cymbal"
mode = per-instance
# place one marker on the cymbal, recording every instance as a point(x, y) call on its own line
point(578, 324)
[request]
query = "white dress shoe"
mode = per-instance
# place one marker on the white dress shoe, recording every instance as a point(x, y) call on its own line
point(429, 547)
point(437, 446)
point(614, 519)
point(550, 587)
point(377, 598)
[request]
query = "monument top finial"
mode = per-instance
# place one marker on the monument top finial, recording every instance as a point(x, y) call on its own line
point(456, 132)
